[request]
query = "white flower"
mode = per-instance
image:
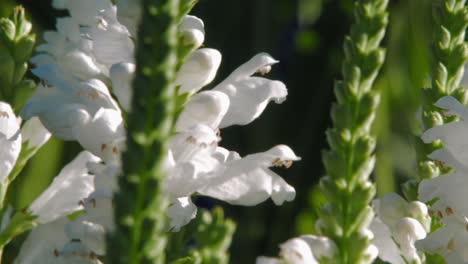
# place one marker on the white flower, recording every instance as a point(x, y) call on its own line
point(34, 133)
point(192, 30)
point(102, 134)
point(10, 140)
point(121, 75)
point(180, 212)
point(397, 226)
point(111, 40)
point(448, 190)
point(90, 234)
point(43, 243)
point(249, 181)
point(306, 249)
point(63, 196)
point(129, 14)
point(206, 108)
point(191, 160)
point(198, 70)
point(249, 95)
point(84, 12)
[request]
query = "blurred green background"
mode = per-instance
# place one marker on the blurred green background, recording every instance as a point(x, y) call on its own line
point(306, 36)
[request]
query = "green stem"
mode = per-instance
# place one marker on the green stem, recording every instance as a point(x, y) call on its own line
point(140, 205)
point(350, 159)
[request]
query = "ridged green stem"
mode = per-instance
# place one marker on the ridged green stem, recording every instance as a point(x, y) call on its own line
point(350, 159)
point(450, 52)
point(140, 205)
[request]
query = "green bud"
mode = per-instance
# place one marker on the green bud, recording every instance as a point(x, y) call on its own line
point(334, 164)
point(24, 48)
point(340, 92)
point(410, 190)
point(362, 195)
point(445, 38)
point(338, 140)
point(349, 48)
point(20, 70)
point(330, 189)
point(331, 221)
point(341, 116)
point(432, 119)
point(7, 29)
point(428, 169)
point(440, 78)
point(362, 220)
point(23, 26)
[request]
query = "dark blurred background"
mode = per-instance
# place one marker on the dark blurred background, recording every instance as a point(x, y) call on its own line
point(306, 36)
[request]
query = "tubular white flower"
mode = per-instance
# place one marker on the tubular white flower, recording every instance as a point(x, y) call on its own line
point(90, 234)
point(180, 212)
point(129, 14)
point(43, 243)
point(84, 12)
point(193, 31)
point(10, 140)
point(395, 234)
point(111, 40)
point(101, 134)
point(34, 133)
point(191, 160)
point(198, 70)
point(388, 249)
point(249, 95)
point(249, 181)
point(206, 108)
point(121, 75)
point(305, 249)
point(449, 189)
point(62, 197)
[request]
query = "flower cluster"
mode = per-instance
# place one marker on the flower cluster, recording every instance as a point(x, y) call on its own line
point(447, 193)
point(397, 226)
point(86, 69)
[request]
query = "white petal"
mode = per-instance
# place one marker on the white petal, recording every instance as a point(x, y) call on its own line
point(254, 65)
point(297, 251)
point(409, 230)
point(129, 14)
point(207, 108)
point(90, 234)
point(322, 247)
point(198, 70)
point(181, 212)
point(452, 104)
point(10, 140)
point(112, 44)
point(8, 123)
point(79, 64)
point(192, 30)
point(388, 250)
point(41, 59)
point(121, 75)
point(102, 134)
point(248, 181)
point(392, 209)
point(249, 96)
point(34, 133)
point(99, 210)
point(42, 242)
point(266, 260)
point(62, 197)
point(84, 12)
